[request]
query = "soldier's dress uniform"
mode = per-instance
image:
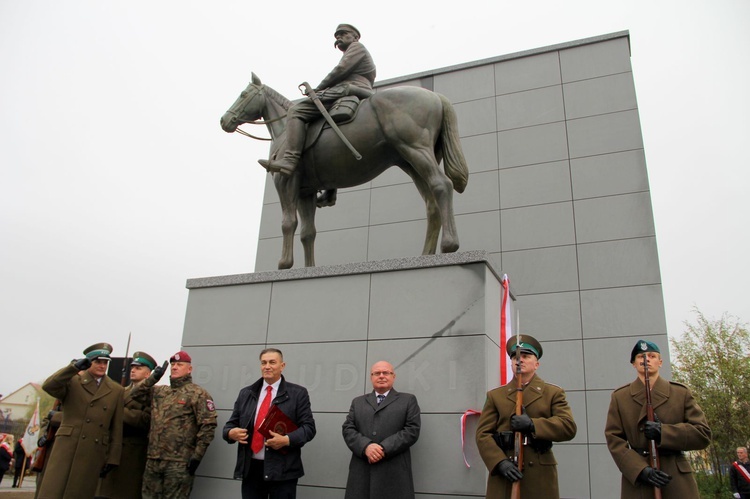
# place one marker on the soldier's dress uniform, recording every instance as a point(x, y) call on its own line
point(183, 421)
point(684, 427)
point(126, 481)
point(90, 434)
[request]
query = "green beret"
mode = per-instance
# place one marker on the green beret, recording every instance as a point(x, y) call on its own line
point(528, 344)
point(98, 351)
point(643, 346)
point(143, 359)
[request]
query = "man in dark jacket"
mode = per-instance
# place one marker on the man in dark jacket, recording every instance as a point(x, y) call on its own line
point(270, 467)
point(380, 429)
point(739, 475)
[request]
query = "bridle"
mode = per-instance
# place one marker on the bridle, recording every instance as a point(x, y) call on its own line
point(254, 122)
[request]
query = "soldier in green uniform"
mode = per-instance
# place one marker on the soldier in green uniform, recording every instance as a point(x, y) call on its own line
point(183, 421)
point(126, 481)
point(547, 418)
point(89, 440)
point(681, 426)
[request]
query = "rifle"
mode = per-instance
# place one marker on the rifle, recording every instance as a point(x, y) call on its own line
point(124, 377)
point(41, 452)
point(515, 491)
point(653, 452)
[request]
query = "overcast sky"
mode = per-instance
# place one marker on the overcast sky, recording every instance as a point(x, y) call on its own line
point(117, 183)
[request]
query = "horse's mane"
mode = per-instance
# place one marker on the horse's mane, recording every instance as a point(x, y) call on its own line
point(278, 98)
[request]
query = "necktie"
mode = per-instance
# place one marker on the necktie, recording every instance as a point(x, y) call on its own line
point(257, 443)
point(380, 398)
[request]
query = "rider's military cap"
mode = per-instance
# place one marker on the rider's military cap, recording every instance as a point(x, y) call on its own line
point(643, 346)
point(98, 351)
point(143, 359)
point(347, 27)
point(524, 342)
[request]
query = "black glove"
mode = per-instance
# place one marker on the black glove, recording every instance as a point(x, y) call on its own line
point(83, 364)
point(192, 465)
point(652, 430)
point(42, 441)
point(522, 423)
point(657, 478)
point(107, 468)
point(160, 370)
point(509, 471)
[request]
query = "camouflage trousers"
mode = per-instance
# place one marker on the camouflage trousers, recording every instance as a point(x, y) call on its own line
point(166, 480)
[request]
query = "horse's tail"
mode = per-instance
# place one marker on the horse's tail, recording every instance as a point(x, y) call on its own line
point(454, 161)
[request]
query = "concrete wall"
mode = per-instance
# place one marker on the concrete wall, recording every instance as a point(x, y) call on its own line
point(558, 196)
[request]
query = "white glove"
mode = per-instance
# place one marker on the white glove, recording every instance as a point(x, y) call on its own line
point(736, 495)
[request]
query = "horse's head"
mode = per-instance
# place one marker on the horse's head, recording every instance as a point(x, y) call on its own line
point(248, 106)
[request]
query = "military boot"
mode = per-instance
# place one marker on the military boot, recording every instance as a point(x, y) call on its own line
point(295, 141)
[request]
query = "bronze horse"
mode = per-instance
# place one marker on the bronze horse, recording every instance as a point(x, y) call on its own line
point(409, 127)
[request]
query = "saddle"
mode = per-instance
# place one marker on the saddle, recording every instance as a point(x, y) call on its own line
point(343, 111)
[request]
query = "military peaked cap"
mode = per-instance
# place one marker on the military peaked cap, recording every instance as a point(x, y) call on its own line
point(98, 351)
point(143, 359)
point(528, 344)
point(347, 27)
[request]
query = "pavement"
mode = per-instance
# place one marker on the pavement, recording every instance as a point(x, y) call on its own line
point(26, 491)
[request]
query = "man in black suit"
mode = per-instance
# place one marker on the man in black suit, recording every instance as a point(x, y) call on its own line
point(270, 468)
point(379, 429)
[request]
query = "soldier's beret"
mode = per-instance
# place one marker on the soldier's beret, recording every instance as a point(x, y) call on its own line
point(143, 359)
point(347, 27)
point(528, 344)
point(181, 356)
point(643, 346)
point(98, 351)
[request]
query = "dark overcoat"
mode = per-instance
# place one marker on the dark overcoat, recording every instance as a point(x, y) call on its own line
point(548, 408)
point(126, 481)
point(395, 425)
point(90, 434)
point(684, 428)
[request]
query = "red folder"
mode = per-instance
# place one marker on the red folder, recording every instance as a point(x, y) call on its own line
point(276, 421)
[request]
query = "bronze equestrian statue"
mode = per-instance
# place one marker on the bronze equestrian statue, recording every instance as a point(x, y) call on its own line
point(409, 127)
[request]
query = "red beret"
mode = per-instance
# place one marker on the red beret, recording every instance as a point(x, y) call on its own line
point(181, 356)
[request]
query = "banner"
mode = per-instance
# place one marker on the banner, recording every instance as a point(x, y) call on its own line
point(31, 435)
point(506, 332)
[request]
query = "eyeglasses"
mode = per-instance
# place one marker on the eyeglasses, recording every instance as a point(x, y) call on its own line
point(381, 373)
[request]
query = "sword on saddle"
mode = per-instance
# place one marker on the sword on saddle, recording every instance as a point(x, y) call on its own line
point(309, 92)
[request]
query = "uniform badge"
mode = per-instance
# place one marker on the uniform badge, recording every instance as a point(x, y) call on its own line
point(210, 405)
point(644, 346)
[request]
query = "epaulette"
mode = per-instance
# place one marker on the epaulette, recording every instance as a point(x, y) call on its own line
point(623, 386)
point(679, 384)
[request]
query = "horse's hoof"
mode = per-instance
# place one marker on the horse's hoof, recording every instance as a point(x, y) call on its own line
point(449, 247)
point(285, 265)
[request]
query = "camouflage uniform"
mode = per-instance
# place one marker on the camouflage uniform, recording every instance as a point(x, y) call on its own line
point(183, 421)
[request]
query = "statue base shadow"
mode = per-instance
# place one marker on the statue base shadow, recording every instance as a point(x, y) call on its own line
point(435, 318)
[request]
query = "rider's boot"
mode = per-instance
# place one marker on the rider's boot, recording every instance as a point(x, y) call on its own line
point(295, 141)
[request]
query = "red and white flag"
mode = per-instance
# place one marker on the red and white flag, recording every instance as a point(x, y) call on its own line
point(31, 435)
point(506, 332)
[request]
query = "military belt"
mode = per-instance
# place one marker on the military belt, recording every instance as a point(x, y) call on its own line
point(662, 452)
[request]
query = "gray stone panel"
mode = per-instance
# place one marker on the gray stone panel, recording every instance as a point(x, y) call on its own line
point(608, 174)
point(216, 487)
point(577, 401)
point(396, 240)
point(268, 253)
point(352, 210)
point(270, 220)
point(557, 315)
point(614, 217)
point(562, 363)
point(326, 457)
point(480, 152)
point(594, 60)
point(599, 96)
point(535, 184)
point(532, 107)
point(536, 144)
point(333, 247)
point(428, 303)
point(526, 73)
point(471, 84)
point(220, 457)
point(629, 311)
point(476, 117)
point(308, 492)
point(396, 203)
point(537, 226)
point(439, 436)
point(227, 315)
point(604, 134)
point(608, 361)
point(572, 470)
point(598, 405)
point(545, 270)
point(478, 231)
point(481, 194)
point(629, 262)
point(605, 477)
point(341, 303)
